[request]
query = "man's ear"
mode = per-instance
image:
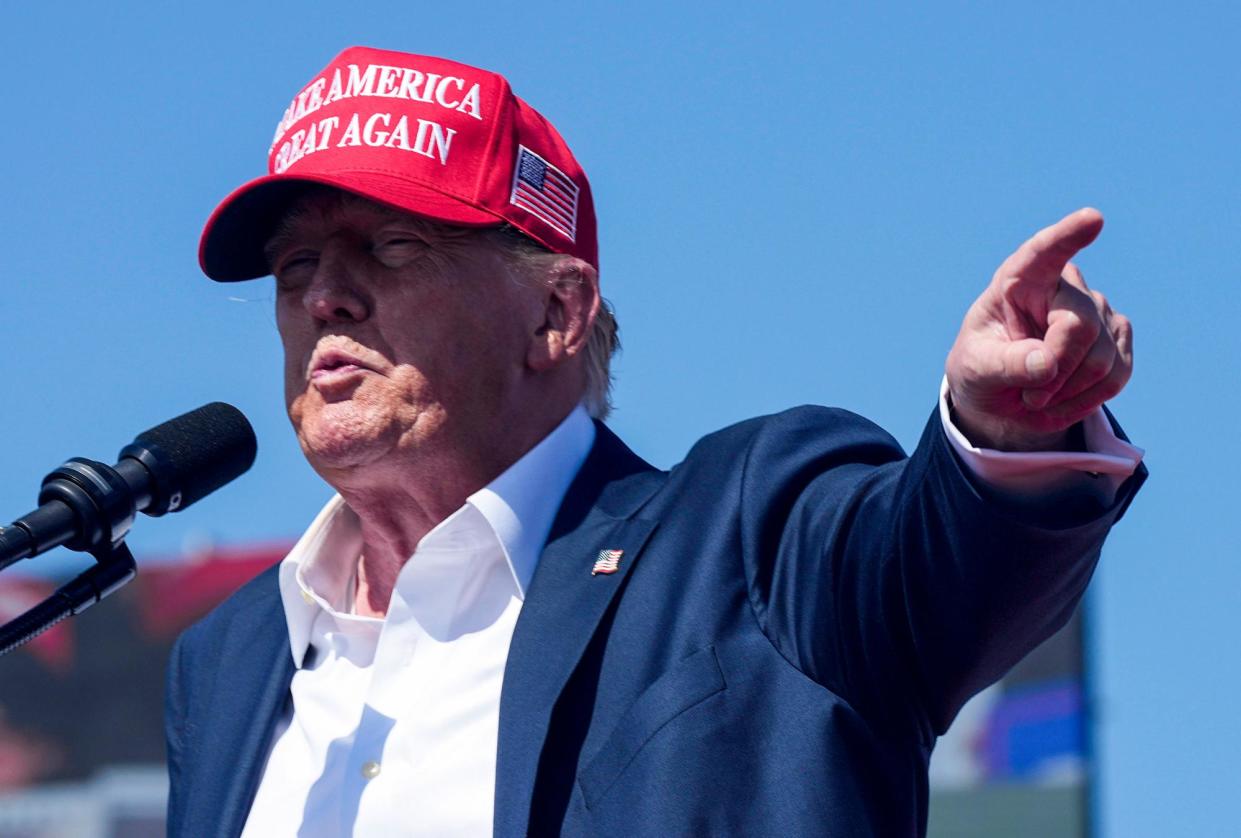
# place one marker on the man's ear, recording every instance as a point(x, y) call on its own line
point(571, 304)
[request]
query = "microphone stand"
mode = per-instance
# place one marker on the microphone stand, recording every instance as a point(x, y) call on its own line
point(88, 507)
point(114, 566)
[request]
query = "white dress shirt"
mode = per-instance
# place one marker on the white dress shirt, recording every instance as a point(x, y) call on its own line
point(393, 723)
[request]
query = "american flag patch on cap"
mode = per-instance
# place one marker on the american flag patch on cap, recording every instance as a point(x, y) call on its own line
point(545, 192)
point(608, 561)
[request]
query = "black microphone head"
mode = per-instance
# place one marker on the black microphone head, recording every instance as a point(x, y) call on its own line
point(191, 456)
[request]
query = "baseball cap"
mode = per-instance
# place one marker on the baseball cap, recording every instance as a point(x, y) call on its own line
point(425, 135)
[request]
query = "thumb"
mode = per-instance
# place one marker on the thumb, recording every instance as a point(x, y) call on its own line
point(1027, 363)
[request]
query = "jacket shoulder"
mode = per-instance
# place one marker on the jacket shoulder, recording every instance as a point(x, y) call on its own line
point(809, 429)
point(256, 596)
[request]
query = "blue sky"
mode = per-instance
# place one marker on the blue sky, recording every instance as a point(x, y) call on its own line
point(797, 204)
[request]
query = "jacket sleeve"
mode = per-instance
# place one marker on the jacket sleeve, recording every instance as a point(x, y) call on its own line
point(898, 583)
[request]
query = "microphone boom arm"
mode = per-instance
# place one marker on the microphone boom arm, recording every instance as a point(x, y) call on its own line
point(114, 566)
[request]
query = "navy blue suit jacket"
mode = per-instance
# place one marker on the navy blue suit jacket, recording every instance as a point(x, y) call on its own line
point(798, 613)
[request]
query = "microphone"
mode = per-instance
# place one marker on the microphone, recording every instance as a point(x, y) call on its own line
point(89, 506)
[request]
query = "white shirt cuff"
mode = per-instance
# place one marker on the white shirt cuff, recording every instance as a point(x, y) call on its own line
point(1107, 461)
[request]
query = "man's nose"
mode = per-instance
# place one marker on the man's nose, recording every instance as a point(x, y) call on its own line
point(334, 294)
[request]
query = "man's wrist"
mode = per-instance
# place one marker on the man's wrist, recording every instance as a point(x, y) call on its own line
point(999, 435)
point(1093, 452)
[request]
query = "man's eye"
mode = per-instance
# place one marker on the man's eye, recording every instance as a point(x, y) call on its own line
point(296, 268)
point(395, 249)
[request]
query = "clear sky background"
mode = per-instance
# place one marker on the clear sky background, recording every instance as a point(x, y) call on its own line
point(797, 204)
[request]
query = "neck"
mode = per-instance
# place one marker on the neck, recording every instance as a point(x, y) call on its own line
point(398, 500)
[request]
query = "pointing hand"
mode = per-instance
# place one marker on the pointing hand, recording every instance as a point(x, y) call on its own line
point(1038, 351)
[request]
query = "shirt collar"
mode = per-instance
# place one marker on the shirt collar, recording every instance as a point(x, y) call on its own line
point(520, 506)
point(521, 503)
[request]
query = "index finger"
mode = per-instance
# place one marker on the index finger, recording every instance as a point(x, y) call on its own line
point(1042, 258)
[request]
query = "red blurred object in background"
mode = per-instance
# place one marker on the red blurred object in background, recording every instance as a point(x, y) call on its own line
point(89, 692)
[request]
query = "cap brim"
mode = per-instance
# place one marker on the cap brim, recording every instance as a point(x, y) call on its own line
point(231, 248)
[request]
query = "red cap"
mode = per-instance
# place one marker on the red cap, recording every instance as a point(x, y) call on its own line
point(425, 135)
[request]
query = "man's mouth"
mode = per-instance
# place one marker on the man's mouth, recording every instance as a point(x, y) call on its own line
point(333, 365)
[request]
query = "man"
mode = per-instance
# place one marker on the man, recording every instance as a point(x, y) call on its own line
point(506, 620)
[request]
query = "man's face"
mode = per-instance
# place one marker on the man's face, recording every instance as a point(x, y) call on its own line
point(400, 334)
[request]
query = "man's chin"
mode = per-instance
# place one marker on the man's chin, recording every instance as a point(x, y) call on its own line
point(340, 442)
point(338, 457)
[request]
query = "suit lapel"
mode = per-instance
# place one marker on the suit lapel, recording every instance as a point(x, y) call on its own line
point(248, 699)
point(563, 608)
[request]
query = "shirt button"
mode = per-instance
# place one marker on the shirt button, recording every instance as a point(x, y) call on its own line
point(370, 770)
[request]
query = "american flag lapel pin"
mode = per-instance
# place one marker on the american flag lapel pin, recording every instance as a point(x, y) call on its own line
point(608, 562)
